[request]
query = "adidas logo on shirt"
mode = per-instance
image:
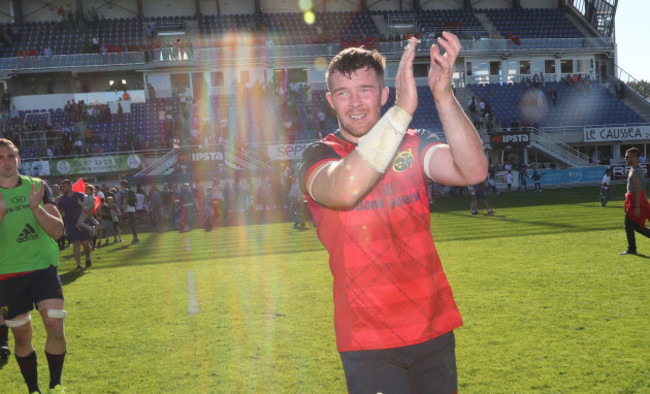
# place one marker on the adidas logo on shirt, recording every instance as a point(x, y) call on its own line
point(27, 234)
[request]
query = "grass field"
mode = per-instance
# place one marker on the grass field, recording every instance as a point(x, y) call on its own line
point(548, 306)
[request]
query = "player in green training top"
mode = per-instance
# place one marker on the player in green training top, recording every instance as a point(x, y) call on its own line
point(29, 257)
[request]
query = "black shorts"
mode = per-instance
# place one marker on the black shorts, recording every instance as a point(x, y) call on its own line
point(19, 294)
point(429, 367)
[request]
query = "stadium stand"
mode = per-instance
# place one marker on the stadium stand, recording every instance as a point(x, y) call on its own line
point(577, 105)
point(143, 127)
point(533, 23)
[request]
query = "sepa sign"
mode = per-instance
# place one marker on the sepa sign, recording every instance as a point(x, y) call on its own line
point(287, 151)
point(512, 139)
point(625, 133)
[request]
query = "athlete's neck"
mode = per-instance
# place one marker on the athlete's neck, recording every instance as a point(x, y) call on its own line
point(9, 182)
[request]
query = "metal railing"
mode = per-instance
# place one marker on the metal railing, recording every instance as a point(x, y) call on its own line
point(21, 64)
point(558, 148)
point(262, 53)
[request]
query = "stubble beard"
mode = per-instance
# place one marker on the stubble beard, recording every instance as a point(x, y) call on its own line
point(356, 130)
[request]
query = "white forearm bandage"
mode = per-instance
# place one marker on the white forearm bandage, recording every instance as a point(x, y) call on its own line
point(378, 147)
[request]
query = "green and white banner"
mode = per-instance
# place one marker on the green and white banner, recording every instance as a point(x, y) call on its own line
point(96, 164)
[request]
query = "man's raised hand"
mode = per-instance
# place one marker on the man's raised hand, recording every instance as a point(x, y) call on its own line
point(35, 197)
point(406, 93)
point(442, 65)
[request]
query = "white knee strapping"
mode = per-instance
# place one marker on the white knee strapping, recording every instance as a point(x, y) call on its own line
point(378, 147)
point(19, 322)
point(57, 313)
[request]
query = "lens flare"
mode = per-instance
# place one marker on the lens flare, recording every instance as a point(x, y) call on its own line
point(310, 17)
point(305, 5)
point(320, 63)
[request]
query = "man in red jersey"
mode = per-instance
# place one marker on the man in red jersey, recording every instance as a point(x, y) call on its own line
point(394, 311)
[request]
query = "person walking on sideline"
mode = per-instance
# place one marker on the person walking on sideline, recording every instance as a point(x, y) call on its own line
point(637, 208)
point(29, 256)
point(605, 187)
point(479, 196)
point(70, 205)
point(129, 202)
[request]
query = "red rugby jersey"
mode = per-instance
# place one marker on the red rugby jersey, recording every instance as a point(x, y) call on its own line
point(389, 286)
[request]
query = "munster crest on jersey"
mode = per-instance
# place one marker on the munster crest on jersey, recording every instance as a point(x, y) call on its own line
point(403, 160)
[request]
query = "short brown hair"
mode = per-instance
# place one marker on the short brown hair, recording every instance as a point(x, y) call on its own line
point(9, 144)
point(635, 151)
point(350, 60)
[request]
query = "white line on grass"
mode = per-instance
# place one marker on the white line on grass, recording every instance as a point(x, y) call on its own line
point(193, 306)
point(187, 244)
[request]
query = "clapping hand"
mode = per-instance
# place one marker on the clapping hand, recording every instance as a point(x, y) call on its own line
point(442, 65)
point(406, 93)
point(35, 197)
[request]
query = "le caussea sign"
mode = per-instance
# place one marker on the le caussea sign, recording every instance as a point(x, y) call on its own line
point(616, 133)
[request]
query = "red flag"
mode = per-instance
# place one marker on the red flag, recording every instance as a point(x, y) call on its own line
point(79, 186)
point(98, 202)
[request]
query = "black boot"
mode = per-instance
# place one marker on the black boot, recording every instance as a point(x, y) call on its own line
point(5, 352)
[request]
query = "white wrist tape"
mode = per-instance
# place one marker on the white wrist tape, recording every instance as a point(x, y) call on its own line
point(378, 147)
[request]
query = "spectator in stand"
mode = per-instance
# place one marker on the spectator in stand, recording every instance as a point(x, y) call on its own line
point(8, 36)
point(554, 97)
point(60, 12)
point(94, 43)
point(514, 126)
point(151, 91)
point(536, 81)
point(620, 91)
point(151, 32)
point(120, 112)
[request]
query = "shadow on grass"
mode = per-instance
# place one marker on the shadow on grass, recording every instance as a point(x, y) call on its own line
point(194, 245)
point(70, 276)
point(258, 240)
point(639, 255)
point(516, 199)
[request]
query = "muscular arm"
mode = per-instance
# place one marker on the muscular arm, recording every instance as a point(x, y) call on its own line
point(47, 215)
point(461, 161)
point(637, 197)
point(340, 184)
